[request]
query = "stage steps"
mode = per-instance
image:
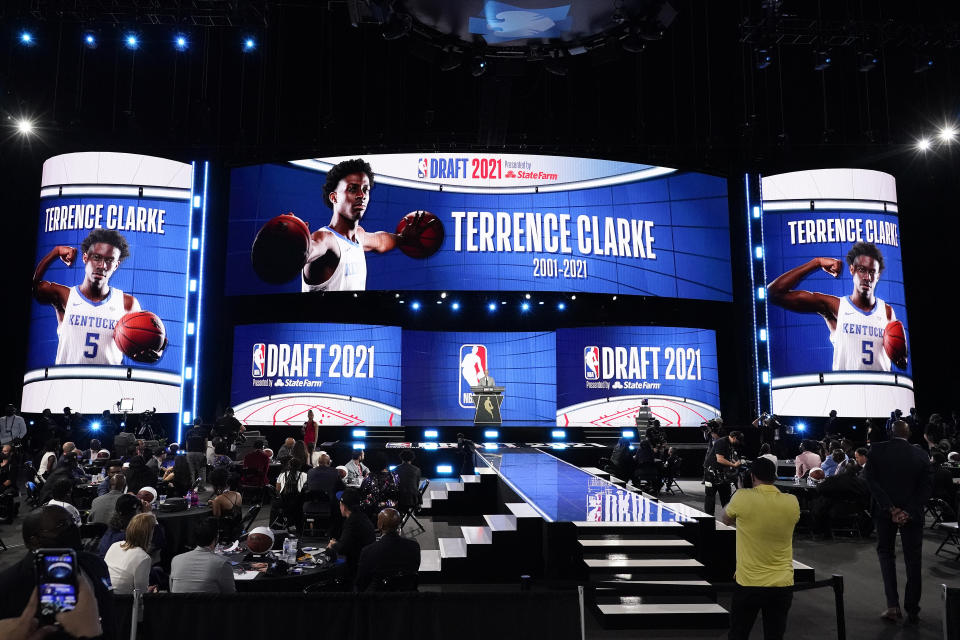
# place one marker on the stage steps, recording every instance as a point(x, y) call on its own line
point(646, 577)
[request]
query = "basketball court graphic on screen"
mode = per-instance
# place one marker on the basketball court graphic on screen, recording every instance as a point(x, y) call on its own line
point(328, 409)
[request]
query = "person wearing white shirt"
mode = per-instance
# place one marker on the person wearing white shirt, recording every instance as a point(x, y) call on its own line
point(129, 560)
point(12, 426)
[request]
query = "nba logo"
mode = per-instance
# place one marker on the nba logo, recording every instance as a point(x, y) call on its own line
point(422, 168)
point(473, 364)
point(591, 363)
point(259, 358)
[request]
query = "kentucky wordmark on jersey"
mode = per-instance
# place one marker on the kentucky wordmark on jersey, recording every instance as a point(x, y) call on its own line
point(858, 338)
point(86, 331)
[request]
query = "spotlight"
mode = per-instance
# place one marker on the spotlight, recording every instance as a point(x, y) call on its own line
point(24, 127)
point(573, 297)
point(26, 38)
point(923, 144)
point(762, 58)
point(561, 306)
point(478, 66)
point(181, 42)
point(443, 295)
point(823, 61)
point(452, 59)
point(632, 43)
point(430, 433)
point(525, 306)
point(614, 298)
point(455, 306)
point(249, 44)
point(131, 41)
point(94, 426)
point(527, 296)
point(398, 26)
point(492, 306)
point(801, 427)
point(947, 134)
point(90, 40)
point(866, 60)
point(415, 305)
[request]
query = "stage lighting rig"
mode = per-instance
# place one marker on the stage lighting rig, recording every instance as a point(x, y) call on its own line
point(947, 134)
point(90, 39)
point(823, 61)
point(923, 144)
point(25, 127)
point(866, 61)
point(762, 58)
point(478, 66)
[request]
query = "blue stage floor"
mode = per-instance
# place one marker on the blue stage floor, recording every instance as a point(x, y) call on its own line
point(562, 492)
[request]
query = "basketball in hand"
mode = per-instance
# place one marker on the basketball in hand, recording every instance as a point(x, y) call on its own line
point(421, 234)
point(280, 249)
point(895, 342)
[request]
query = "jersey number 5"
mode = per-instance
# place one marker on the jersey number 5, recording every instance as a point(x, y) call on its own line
point(92, 343)
point(866, 349)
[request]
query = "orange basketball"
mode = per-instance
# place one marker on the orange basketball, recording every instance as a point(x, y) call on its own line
point(141, 336)
point(259, 542)
point(895, 341)
point(429, 236)
point(280, 249)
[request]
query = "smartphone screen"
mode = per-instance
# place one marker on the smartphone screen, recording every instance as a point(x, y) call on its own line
point(56, 571)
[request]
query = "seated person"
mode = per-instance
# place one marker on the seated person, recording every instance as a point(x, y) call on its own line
point(202, 570)
point(87, 456)
point(389, 555)
point(807, 459)
point(622, 464)
point(765, 452)
point(154, 458)
point(102, 508)
point(286, 451)
point(380, 489)
point(49, 459)
point(839, 495)
point(129, 560)
point(325, 478)
point(833, 461)
point(9, 472)
point(126, 508)
point(139, 475)
point(356, 470)
point(646, 469)
point(173, 452)
point(60, 495)
point(178, 480)
point(289, 500)
point(258, 461)
point(357, 531)
point(944, 487)
point(226, 501)
point(53, 527)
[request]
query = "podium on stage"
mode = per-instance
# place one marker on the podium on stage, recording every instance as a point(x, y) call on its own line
point(487, 401)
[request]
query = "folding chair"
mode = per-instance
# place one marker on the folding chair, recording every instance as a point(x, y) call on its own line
point(409, 511)
point(670, 477)
point(952, 538)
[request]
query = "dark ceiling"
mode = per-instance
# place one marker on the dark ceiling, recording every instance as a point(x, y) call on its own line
point(694, 97)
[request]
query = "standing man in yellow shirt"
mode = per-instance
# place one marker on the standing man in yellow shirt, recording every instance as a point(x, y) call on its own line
point(765, 519)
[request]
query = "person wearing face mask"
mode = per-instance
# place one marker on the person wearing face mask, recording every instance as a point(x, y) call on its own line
point(53, 527)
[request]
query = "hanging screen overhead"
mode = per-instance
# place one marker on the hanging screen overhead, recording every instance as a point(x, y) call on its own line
point(492, 222)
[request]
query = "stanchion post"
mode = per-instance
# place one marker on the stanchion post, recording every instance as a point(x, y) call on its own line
point(841, 615)
point(136, 613)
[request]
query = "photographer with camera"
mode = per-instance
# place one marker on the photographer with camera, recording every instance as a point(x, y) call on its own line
point(720, 470)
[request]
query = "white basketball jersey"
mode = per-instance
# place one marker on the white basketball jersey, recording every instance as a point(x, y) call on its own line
point(86, 331)
point(858, 338)
point(351, 271)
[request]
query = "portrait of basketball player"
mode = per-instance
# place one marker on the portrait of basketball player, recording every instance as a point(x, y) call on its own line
point(87, 313)
point(336, 259)
point(858, 321)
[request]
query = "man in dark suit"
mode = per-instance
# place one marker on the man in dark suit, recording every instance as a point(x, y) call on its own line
point(357, 531)
point(53, 527)
point(408, 478)
point(390, 555)
point(900, 479)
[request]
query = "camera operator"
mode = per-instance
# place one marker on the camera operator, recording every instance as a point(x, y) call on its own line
point(647, 470)
point(721, 470)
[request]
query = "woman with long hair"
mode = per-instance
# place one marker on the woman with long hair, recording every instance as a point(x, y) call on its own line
point(226, 499)
point(129, 561)
point(178, 479)
point(300, 453)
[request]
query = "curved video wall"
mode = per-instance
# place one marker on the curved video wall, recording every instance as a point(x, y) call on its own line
point(469, 222)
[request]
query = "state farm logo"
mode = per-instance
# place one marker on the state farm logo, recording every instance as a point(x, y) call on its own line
point(510, 174)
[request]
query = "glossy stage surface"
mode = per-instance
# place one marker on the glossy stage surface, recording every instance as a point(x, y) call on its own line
point(561, 492)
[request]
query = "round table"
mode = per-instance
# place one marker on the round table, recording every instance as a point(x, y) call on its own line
point(289, 582)
point(178, 527)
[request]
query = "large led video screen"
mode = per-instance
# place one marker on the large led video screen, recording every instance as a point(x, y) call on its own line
point(838, 332)
point(348, 375)
point(606, 374)
point(107, 317)
point(490, 222)
point(440, 367)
